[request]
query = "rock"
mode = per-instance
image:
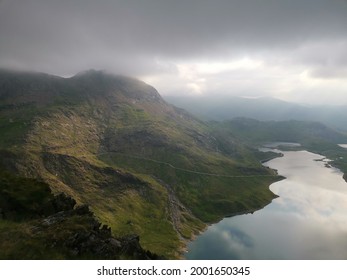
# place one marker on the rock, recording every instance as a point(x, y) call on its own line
point(62, 202)
point(83, 210)
point(114, 242)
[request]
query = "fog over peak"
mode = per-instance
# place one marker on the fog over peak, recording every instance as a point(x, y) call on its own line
point(290, 49)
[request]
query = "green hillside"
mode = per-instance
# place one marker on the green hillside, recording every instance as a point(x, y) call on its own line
point(254, 131)
point(312, 136)
point(143, 166)
point(35, 224)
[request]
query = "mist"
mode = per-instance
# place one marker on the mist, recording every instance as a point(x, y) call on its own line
point(288, 49)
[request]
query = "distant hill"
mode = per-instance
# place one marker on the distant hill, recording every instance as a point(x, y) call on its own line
point(313, 136)
point(257, 132)
point(263, 109)
point(143, 166)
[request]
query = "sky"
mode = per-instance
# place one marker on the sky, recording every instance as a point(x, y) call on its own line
point(294, 50)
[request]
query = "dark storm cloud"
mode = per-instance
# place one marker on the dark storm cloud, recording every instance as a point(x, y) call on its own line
point(164, 38)
point(81, 33)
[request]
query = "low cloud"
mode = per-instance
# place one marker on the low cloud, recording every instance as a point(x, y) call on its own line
point(190, 46)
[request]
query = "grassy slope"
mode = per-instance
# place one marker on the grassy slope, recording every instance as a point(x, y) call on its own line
point(23, 202)
point(34, 224)
point(253, 131)
point(337, 154)
point(67, 145)
point(112, 150)
point(60, 146)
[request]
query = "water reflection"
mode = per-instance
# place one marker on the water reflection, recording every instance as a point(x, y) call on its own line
point(307, 221)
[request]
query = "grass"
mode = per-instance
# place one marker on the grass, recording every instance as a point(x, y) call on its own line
point(133, 214)
point(26, 204)
point(63, 144)
point(129, 203)
point(23, 198)
point(22, 202)
point(14, 126)
point(337, 154)
point(209, 197)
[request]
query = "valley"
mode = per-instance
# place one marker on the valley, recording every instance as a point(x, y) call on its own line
point(312, 136)
point(175, 131)
point(306, 221)
point(143, 166)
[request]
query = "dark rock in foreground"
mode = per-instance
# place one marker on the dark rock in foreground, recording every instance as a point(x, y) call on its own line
point(53, 227)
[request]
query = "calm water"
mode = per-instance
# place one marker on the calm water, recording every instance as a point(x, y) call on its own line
point(307, 221)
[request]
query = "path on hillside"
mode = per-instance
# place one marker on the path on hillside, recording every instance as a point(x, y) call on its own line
point(188, 170)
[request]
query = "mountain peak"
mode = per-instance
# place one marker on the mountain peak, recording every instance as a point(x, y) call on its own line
point(38, 88)
point(90, 72)
point(107, 81)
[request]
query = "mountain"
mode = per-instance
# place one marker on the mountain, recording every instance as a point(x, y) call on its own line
point(264, 109)
point(144, 167)
point(257, 132)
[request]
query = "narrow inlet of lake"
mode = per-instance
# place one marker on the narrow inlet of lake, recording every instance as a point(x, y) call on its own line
point(307, 221)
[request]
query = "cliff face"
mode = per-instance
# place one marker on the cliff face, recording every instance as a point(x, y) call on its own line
point(34, 224)
point(143, 166)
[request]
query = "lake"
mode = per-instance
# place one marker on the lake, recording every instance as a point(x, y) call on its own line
point(307, 221)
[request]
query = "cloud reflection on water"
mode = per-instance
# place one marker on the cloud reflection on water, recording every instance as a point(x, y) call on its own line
point(307, 221)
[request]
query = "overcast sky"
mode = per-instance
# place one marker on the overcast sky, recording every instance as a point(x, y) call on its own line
point(294, 50)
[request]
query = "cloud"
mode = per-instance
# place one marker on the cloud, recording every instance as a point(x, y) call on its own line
point(157, 40)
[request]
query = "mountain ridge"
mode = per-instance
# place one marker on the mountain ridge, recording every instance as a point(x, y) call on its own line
point(108, 142)
point(263, 109)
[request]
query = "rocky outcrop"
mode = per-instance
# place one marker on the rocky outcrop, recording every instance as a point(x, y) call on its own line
point(55, 227)
point(91, 240)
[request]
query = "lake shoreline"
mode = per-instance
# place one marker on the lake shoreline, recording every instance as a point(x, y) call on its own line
point(184, 248)
point(185, 245)
point(296, 213)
